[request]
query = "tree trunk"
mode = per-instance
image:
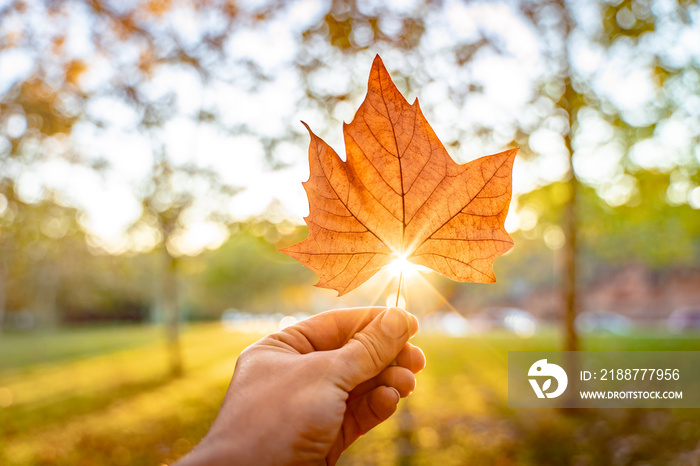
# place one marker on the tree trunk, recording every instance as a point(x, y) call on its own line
point(569, 291)
point(46, 309)
point(3, 293)
point(570, 101)
point(172, 314)
point(405, 449)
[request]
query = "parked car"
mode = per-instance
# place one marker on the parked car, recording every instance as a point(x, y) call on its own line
point(515, 320)
point(603, 322)
point(684, 319)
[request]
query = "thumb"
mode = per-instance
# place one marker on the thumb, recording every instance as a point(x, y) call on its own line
point(373, 348)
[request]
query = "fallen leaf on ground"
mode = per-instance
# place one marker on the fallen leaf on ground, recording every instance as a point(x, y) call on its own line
point(400, 195)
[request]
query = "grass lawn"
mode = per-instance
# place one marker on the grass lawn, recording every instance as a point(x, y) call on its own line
point(101, 396)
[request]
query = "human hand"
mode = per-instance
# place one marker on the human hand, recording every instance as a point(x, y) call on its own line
point(304, 394)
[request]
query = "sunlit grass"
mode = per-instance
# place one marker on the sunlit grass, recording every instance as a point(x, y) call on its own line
point(113, 404)
point(24, 351)
point(121, 407)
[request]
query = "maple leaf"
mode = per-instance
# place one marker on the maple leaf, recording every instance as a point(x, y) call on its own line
point(400, 195)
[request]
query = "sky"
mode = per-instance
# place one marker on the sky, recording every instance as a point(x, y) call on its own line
point(268, 109)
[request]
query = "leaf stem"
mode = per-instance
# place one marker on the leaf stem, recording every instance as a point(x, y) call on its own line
point(398, 292)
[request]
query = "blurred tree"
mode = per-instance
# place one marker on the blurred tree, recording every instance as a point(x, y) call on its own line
point(630, 31)
point(585, 46)
point(172, 196)
point(35, 118)
point(38, 242)
point(102, 67)
point(111, 73)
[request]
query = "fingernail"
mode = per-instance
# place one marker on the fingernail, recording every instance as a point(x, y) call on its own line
point(394, 322)
point(398, 395)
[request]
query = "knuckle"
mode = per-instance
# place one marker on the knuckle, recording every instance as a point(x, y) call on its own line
point(372, 347)
point(246, 354)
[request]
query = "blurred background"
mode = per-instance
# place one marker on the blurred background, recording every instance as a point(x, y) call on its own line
point(151, 161)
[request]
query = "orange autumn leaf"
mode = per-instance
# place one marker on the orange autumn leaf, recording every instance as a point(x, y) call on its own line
point(400, 195)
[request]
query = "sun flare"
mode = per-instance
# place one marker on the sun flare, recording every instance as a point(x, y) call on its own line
point(401, 265)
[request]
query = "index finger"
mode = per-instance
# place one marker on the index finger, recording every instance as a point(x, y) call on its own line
point(331, 329)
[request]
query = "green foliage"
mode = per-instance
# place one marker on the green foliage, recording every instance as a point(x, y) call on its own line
point(645, 230)
point(650, 231)
point(248, 273)
point(47, 268)
point(35, 239)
